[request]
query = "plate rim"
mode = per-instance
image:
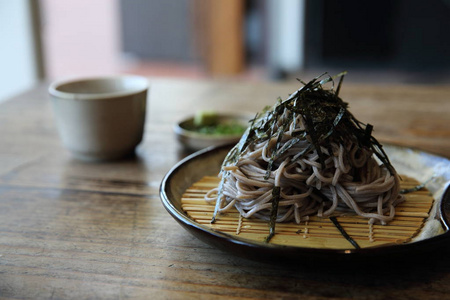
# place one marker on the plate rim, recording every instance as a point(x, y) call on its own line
point(244, 245)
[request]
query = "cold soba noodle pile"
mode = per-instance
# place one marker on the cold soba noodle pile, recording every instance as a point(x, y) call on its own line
point(307, 155)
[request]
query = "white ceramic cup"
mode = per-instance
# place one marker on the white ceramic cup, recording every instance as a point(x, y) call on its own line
point(100, 118)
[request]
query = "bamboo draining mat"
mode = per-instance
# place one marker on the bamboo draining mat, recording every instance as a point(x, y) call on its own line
point(316, 232)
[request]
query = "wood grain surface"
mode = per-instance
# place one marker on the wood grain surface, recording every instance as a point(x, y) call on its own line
point(76, 230)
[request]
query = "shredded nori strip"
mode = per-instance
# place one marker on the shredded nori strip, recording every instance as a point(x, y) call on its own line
point(344, 233)
point(417, 187)
point(274, 212)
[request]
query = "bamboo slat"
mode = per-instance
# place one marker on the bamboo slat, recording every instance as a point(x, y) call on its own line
point(317, 232)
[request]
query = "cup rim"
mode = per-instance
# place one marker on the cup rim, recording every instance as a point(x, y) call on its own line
point(141, 86)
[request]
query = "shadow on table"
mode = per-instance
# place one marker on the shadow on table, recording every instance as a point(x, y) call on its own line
point(373, 278)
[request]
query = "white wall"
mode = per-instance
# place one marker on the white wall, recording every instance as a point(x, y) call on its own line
point(80, 38)
point(286, 34)
point(18, 68)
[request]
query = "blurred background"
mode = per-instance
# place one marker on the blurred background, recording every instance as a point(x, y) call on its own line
point(396, 41)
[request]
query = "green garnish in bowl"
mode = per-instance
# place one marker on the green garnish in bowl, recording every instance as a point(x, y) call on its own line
point(209, 128)
point(209, 122)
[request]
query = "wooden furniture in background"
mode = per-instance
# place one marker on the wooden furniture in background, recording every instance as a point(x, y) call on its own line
point(219, 34)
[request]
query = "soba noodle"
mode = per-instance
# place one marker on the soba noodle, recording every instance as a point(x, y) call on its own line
point(312, 160)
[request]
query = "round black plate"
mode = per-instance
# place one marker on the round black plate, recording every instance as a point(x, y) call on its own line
point(208, 162)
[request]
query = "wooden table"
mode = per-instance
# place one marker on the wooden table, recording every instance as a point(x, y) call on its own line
point(70, 229)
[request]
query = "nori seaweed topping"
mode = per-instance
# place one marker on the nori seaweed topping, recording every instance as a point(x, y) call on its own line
point(326, 119)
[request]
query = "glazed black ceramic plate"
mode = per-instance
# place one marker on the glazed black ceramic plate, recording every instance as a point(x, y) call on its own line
point(419, 165)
